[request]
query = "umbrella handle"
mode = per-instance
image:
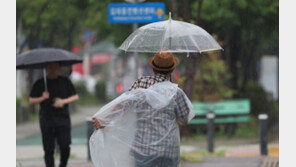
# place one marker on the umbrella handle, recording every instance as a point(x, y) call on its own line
point(45, 80)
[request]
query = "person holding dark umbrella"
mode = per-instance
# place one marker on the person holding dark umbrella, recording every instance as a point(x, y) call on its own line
point(54, 112)
point(53, 93)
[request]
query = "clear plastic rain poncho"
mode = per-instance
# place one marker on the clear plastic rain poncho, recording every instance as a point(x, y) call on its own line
point(141, 127)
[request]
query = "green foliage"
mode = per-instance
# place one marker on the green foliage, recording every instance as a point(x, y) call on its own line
point(273, 120)
point(247, 29)
point(189, 158)
point(22, 110)
point(261, 102)
point(97, 18)
point(101, 91)
point(85, 98)
point(199, 155)
point(247, 130)
point(80, 88)
point(61, 21)
point(260, 16)
point(88, 99)
point(51, 22)
point(18, 114)
point(211, 82)
point(33, 116)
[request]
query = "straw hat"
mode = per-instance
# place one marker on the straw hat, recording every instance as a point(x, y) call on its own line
point(163, 61)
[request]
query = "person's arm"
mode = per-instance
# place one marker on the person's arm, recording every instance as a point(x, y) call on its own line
point(182, 108)
point(107, 119)
point(38, 100)
point(61, 102)
point(96, 123)
point(71, 95)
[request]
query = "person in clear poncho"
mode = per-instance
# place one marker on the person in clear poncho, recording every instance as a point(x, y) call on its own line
point(141, 127)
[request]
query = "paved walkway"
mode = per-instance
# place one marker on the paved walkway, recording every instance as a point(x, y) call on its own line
point(208, 162)
point(238, 153)
point(235, 156)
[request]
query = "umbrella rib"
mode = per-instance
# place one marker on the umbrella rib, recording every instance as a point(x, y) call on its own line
point(131, 42)
point(185, 42)
point(144, 34)
point(163, 37)
point(196, 44)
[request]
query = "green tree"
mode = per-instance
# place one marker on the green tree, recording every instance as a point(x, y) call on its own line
point(212, 79)
point(96, 18)
point(249, 29)
point(53, 23)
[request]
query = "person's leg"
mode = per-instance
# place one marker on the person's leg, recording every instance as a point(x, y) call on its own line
point(48, 139)
point(145, 160)
point(165, 161)
point(64, 141)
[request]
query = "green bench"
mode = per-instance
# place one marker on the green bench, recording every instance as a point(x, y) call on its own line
point(230, 111)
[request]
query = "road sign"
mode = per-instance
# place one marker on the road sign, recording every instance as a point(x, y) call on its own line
point(134, 1)
point(120, 13)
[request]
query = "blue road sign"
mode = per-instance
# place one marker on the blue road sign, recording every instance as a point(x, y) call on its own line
point(120, 13)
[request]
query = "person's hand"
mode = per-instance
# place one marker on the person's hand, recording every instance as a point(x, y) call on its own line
point(59, 103)
point(96, 123)
point(45, 95)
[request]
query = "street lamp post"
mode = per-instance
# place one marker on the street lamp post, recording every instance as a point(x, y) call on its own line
point(135, 26)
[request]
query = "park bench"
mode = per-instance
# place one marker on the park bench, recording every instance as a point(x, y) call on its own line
point(226, 112)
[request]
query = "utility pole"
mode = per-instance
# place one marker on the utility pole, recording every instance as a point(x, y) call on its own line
point(135, 27)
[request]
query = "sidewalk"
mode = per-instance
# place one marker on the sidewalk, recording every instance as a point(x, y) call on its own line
point(238, 153)
point(32, 128)
point(235, 156)
point(208, 162)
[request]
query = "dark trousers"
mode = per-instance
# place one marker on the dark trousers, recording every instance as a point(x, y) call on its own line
point(63, 136)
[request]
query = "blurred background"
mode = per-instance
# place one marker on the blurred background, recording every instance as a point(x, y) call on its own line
point(246, 70)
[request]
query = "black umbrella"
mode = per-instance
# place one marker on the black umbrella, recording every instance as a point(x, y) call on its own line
point(38, 58)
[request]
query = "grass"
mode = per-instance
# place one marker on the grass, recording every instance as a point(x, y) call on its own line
point(33, 117)
point(88, 100)
point(199, 156)
point(191, 158)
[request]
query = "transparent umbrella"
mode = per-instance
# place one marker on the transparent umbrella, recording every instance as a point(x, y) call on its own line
point(177, 36)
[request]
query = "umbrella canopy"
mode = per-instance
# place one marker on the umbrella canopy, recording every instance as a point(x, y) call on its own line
point(177, 36)
point(37, 58)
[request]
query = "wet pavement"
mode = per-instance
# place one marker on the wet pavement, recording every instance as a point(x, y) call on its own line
point(208, 162)
point(238, 153)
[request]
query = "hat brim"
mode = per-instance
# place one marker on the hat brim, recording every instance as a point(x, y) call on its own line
point(176, 62)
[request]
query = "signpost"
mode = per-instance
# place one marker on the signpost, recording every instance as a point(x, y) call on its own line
point(123, 13)
point(126, 13)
